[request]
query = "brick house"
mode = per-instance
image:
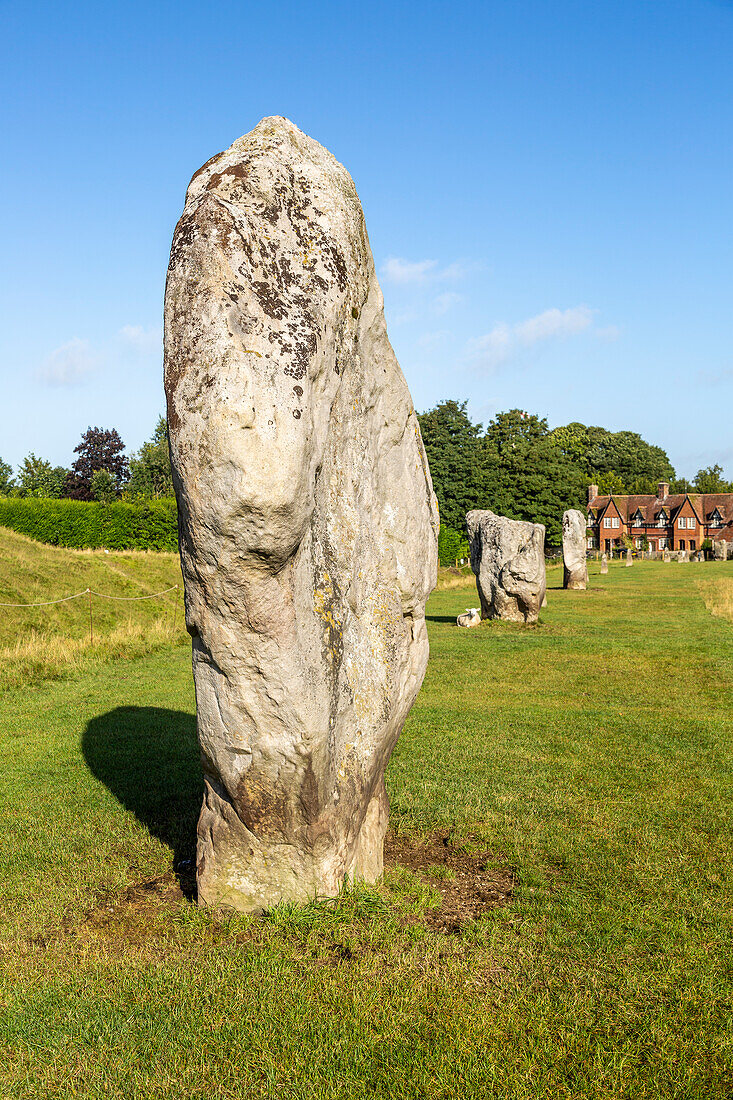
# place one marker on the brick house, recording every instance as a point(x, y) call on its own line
point(681, 521)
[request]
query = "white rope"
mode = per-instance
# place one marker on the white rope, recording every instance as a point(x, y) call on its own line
point(47, 603)
point(104, 596)
point(90, 591)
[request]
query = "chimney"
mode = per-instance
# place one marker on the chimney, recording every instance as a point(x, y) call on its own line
point(662, 490)
point(592, 492)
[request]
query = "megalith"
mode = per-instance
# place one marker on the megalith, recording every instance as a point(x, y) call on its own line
point(629, 558)
point(308, 522)
point(720, 550)
point(508, 559)
point(604, 563)
point(575, 569)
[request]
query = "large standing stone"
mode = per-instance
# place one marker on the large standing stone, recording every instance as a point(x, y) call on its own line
point(308, 523)
point(575, 568)
point(508, 558)
point(720, 550)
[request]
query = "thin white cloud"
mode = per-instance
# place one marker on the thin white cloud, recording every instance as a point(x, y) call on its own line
point(410, 272)
point(396, 270)
point(142, 339)
point(430, 339)
point(69, 364)
point(505, 342)
point(445, 302)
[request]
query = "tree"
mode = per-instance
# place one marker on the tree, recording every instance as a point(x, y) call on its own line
point(38, 478)
point(150, 468)
point(452, 444)
point(710, 480)
point(103, 486)
point(452, 545)
point(527, 476)
point(6, 478)
point(99, 449)
point(620, 459)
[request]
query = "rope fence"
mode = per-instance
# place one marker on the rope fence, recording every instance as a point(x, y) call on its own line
point(89, 592)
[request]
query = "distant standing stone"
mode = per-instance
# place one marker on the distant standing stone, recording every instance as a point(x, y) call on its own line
point(470, 617)
point(604, 563)
point(508, 559)
point(308, 523)
point(629, 558)
point(575, 568)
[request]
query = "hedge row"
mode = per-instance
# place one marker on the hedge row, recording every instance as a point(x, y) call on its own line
point(151, 525)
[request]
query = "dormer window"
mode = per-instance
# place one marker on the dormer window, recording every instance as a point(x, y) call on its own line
point(637, 519)
point(716, 520)
point(662, 519)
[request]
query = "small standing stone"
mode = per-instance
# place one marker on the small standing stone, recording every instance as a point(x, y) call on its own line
point(604, 563)
point(575, 569)
point(508, 559)
point(629, 558)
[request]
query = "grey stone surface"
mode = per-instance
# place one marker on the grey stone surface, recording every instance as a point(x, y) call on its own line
point(470, 617)
point(575, 569)
point(629, 558)
point(508, 559)
point(308, 523)
point(720, 550)
point(604, 563)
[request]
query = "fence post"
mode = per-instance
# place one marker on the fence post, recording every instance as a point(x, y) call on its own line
point(91, 622)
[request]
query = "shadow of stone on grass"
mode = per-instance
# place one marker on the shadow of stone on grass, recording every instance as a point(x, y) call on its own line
point(148, 757)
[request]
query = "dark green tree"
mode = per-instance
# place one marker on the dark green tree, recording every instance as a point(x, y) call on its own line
point(453, 446)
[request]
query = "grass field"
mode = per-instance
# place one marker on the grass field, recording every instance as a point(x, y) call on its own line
point(50, 641)
point(587, 760)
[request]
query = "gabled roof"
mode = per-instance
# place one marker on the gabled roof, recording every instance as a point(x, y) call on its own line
point(703, 505)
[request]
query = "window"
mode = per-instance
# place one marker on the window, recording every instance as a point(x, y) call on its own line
point(692, 544)
point(682, 523)
point(637, 543)
point(716, 519)
point(662, 521)
point(638, 520)
point(652, 545)
point(690, 523)
point(662, 544)
point(614, 521)
point(607, 522)
point(682, 544)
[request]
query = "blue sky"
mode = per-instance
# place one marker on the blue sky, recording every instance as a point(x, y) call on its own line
point(547, 188)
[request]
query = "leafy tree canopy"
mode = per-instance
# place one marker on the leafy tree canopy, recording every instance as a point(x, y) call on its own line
point(710, 480)
point(150, 468)
point(99, 449)
point(6, 478)
point(38, 478)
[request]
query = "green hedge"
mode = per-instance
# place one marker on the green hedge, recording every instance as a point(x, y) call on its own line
point(152, 525)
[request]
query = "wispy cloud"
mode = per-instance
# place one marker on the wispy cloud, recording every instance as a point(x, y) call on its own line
point(142, 339)
point(430, 339)
point(69, 364)
point(505, 342)
point(445, 302)
point(409, 272)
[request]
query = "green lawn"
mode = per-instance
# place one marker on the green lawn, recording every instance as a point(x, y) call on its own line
point(591, 755)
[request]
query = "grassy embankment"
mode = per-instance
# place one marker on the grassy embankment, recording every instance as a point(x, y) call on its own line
point(46, 642)
point(591, 755)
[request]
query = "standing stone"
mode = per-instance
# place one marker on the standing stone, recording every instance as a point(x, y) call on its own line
point(308, 523)
point(604, 563)
point(508, 558)
point(470, 617)
point(575, 569)
point(719, 550)
point(629, 558)
point(665, 555)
